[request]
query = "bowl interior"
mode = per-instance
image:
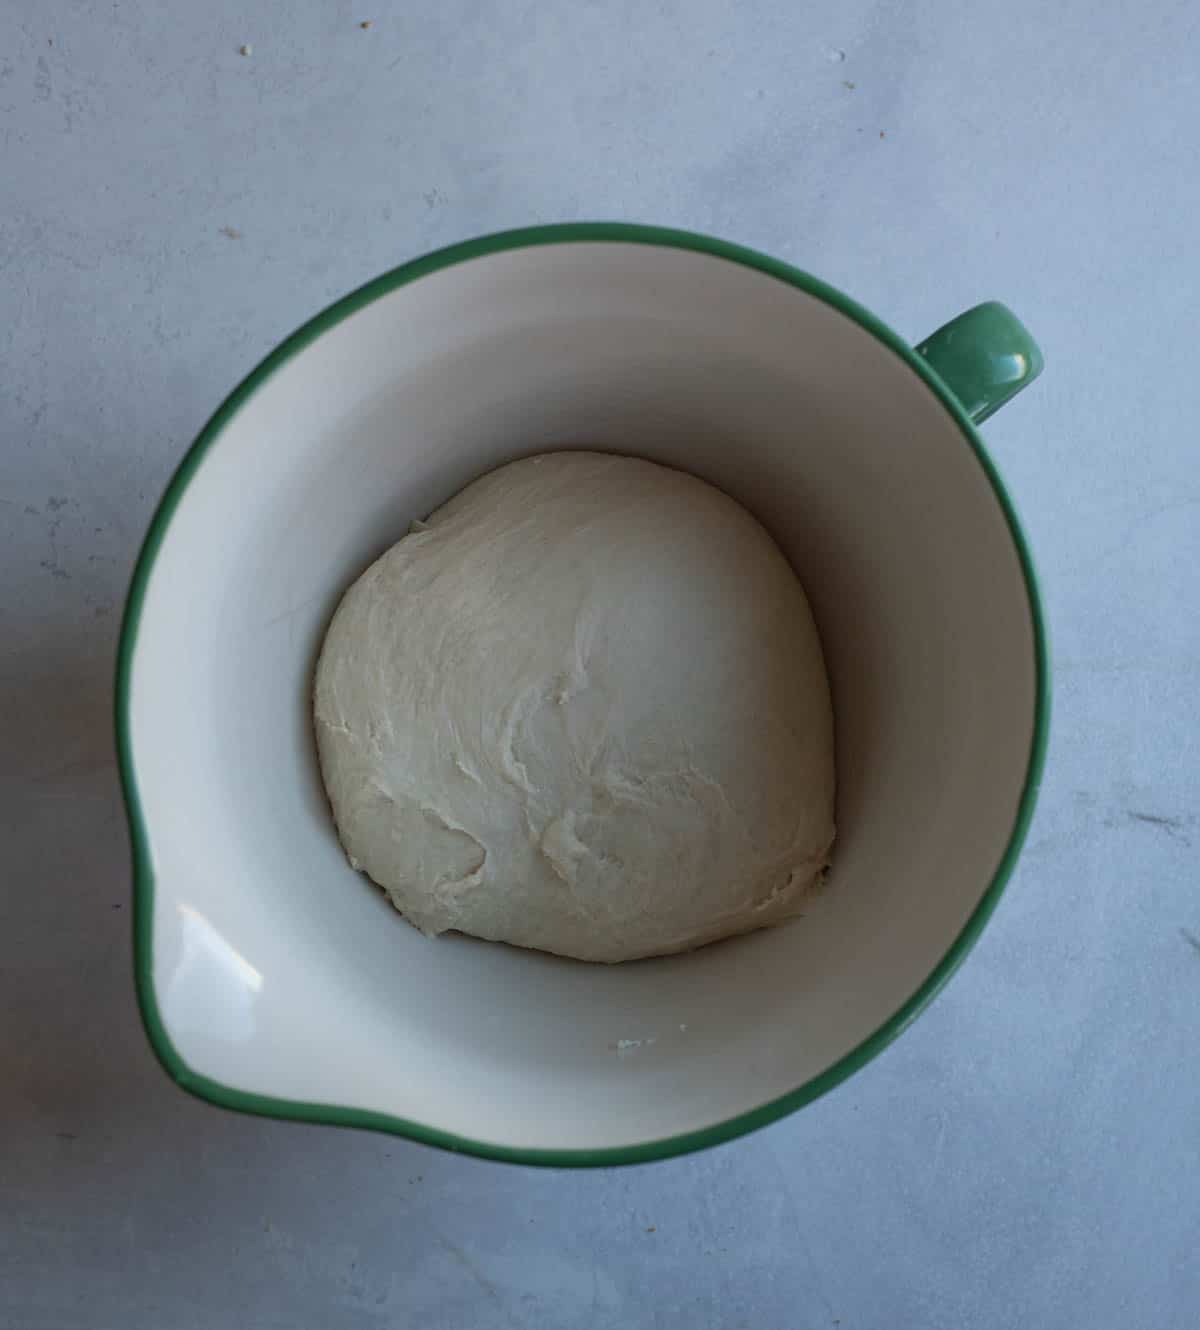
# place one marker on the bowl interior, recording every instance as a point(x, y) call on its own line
point(277, 971)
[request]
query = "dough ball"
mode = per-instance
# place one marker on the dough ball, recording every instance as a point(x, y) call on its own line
point(583, 708)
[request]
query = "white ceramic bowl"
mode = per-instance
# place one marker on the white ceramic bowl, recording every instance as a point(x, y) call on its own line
point(273, 978)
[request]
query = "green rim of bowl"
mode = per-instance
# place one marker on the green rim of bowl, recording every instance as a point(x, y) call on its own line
point(143, 874)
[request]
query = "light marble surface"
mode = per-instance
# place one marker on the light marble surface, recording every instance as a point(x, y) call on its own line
point(1029, 1153)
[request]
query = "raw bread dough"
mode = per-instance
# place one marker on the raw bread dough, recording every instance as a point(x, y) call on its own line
point(583, 708)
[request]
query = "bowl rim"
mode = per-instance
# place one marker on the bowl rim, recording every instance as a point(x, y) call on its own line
point(226, 1096)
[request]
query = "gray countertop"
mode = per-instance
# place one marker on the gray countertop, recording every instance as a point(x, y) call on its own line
point(1028, 1154)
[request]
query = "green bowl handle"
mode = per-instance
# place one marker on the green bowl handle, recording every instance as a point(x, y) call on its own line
point(985, 357)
